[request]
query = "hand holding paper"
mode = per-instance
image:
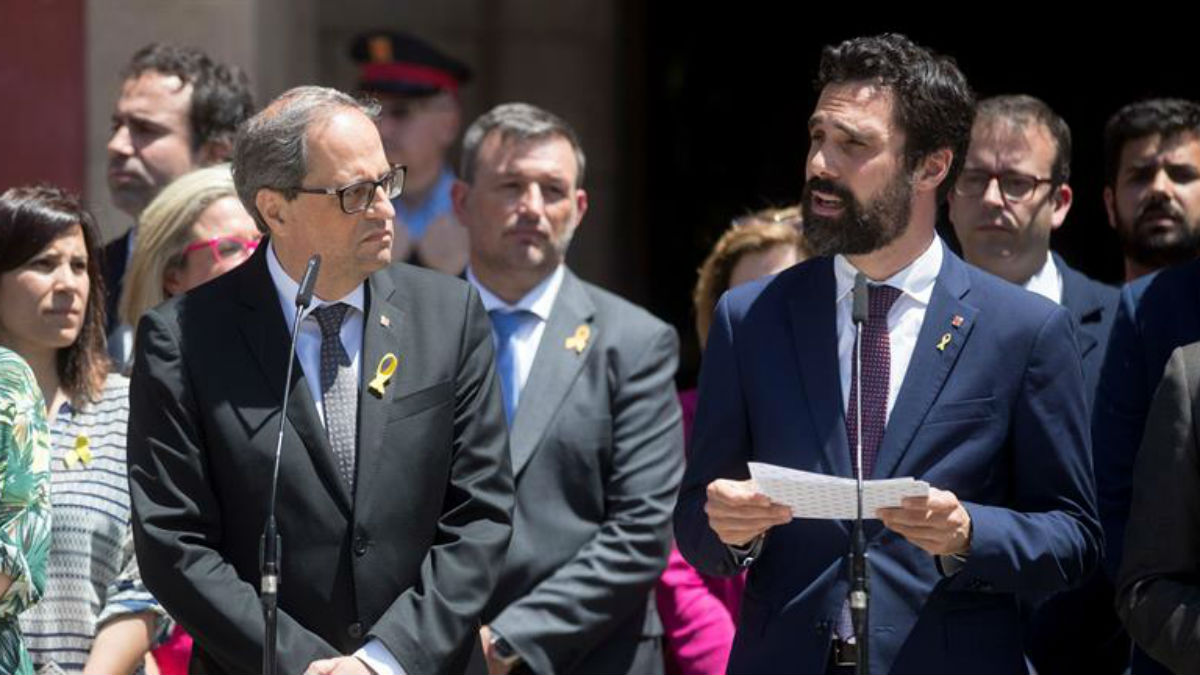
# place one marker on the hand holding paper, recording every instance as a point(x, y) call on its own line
point(938, 524)
point(814, 495)
point(738, 512)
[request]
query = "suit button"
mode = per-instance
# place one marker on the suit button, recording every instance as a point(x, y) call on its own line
point(355, 630)
point(360, 546)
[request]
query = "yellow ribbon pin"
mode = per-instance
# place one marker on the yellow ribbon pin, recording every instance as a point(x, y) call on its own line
point(383, 374)
point(579, 340)
point(941, 345)
point(81, 453)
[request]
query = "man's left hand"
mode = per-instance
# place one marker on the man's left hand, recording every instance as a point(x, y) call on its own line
point(494, 665)
point(937, 524)
point(342, 665)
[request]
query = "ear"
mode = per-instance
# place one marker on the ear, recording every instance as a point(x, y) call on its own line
point(934, 169)
point(581, 205)
point(1061, 202)
point(1110, 206)
point(215, 151)
point(459, 192)
point(173, 280)
point(273, 208)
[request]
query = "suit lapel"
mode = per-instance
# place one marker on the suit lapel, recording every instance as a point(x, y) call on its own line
point(386, 330)
point(814, 329)
point(266, 332)
point(1082, 305)
point(555, 367)
point(930, 365)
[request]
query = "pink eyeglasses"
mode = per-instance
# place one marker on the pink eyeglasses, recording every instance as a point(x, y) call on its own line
point(224, 247)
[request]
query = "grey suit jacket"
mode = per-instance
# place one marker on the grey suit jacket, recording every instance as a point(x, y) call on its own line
point(1159, 583)
point(597, 455)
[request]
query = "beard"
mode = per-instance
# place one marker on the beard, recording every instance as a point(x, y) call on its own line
point(860, 228)
point(1155, 247)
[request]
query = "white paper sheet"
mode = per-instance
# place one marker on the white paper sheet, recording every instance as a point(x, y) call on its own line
point(815, 495)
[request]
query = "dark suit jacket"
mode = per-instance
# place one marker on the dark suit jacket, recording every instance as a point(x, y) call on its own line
point(1093, 305)
point(1159, 597)
point(597, 454)
point(1078, 630)
point(116, 257)
point(411, 559)
point(1158, 313)
point(999, 417)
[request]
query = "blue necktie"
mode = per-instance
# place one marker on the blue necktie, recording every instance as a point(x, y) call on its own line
point(507, 325)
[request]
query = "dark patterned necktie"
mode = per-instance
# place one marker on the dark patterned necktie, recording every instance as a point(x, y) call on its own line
point(339, 390)
point(876, 373)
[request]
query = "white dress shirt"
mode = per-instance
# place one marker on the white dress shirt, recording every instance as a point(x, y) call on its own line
point(539, 300)
point(308, 352)
point(904, 319)
point(1047, 282)
point(308, 344)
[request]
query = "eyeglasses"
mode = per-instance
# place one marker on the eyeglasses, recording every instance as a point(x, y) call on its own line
point(1014, 187)
point(224, 247)
point(358, 197)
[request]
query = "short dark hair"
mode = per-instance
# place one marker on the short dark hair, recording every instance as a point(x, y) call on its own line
point(934, 106)
point(522, 122)
point(1163, 116)
point(1021, 109)
point(32, 217)
point(221, 98)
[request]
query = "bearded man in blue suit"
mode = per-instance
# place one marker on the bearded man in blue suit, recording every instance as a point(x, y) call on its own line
point(968, 382)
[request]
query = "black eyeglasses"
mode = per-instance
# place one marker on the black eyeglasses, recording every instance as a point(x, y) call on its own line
point(358, 197)
point(1014, 187)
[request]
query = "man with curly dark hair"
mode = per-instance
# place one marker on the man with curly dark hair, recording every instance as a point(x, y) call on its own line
point(177, 111)
point(967, 382)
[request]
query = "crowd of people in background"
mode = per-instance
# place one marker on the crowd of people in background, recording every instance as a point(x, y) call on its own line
point(560, 489)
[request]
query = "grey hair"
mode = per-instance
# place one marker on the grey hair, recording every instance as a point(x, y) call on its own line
point(517, 121)
point(271, 148)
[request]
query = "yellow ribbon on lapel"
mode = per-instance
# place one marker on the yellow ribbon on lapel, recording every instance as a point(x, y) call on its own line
point(383, 374)
point(941, 345)
point(82, 453)
point(579, 340)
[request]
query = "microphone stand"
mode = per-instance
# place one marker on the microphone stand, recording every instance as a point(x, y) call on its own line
point(859, 599)
point(272, 542)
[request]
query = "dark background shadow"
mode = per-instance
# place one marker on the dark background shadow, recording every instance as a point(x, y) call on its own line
point(725, 97)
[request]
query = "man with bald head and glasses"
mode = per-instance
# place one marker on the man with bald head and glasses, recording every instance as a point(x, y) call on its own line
point(395, 490)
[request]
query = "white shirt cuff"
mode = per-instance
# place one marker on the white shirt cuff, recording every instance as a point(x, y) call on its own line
point(379, 659)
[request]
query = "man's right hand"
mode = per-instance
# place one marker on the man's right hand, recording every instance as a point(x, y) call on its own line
point(739, 513)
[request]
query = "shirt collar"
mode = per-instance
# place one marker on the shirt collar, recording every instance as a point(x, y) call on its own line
point(916, 280)
point(288, 287)
point(1046, 282)
point(539, 300)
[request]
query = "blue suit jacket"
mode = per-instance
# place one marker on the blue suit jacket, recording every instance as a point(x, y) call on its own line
point(1158, 313)
point(1093, 305)
point(998, 417)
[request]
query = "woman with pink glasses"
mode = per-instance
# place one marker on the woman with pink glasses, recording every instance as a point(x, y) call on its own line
point(195, 230)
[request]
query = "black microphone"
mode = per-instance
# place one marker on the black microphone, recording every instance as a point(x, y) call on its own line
point(272, 542)
point(859, 599)
point(860, 311)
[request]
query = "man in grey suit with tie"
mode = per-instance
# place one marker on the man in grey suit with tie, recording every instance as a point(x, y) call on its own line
point(595, 432)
